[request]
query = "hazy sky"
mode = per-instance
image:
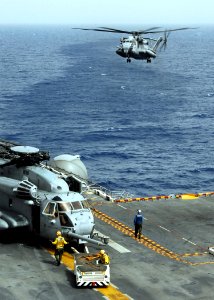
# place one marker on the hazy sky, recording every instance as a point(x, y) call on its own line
point(106, 12)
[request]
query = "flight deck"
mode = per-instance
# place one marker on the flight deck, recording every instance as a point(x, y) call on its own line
point(172, 260)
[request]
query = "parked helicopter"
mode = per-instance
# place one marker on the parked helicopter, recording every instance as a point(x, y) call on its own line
point(43, 197)
point(136, 46)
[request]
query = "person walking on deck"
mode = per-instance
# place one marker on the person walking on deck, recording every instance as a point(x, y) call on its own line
point(138, 222)
point(59, 242)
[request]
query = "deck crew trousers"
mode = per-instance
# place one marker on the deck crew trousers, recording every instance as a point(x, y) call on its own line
point(138, 230)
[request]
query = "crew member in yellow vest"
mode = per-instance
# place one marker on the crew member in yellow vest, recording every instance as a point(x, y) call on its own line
point(104, 258)
point(59, 242)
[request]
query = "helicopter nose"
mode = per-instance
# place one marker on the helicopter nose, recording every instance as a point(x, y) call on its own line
point(151, 53)
point(120, 52)
point(83, 224)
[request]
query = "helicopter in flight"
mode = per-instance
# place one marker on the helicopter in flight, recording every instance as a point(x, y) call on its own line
point(137, 46)
point(44, 197)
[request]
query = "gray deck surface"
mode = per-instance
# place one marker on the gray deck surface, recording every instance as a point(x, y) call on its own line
point(184, 227)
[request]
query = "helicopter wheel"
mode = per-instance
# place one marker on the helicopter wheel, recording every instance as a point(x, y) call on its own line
point(149, 60)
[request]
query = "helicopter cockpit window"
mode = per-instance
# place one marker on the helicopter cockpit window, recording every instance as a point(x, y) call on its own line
point(69, 206)
point(64, 206)
point(65, 221)
point(50, 208)
point(77, 205)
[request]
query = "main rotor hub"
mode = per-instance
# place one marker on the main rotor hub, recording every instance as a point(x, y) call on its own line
point(24, 149)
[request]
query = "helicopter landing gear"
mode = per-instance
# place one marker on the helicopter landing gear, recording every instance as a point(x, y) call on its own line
point(149, 60)
point(128, 60)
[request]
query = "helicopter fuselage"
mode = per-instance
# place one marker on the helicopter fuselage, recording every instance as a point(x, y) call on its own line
point(41, 199)
point(135, 47)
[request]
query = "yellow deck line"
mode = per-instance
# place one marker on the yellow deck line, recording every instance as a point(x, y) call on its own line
point(186, 196)
point(189, 197)
point(110, 292)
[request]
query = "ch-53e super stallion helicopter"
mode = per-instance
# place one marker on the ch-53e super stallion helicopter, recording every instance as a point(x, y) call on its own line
point(43, 197)
point(136, 46)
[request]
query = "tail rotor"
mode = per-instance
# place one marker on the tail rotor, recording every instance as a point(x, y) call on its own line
point(165, 39)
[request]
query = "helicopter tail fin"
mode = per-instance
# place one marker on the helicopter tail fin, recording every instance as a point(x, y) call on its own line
point(157, 44)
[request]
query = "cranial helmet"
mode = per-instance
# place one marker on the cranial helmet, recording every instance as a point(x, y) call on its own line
point(58, 233)
point(102, 251)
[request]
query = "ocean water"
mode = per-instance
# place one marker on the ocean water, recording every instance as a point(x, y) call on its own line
point(143, 128)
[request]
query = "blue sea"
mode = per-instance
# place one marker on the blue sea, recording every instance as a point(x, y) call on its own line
point(143, 128)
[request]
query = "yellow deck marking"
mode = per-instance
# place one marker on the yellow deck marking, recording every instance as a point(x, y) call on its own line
point(111, 292)
point(189, 197)
point(203, 263)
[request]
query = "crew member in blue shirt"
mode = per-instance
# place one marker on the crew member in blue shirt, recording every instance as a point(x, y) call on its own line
point(138, 222)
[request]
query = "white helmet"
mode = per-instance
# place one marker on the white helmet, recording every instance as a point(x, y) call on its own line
point(139, 211)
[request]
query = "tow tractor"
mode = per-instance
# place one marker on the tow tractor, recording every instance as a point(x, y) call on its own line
point(89, 272)
point(211, 250)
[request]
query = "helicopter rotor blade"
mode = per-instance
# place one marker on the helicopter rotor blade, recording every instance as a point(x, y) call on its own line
point(169, 30)
point(150, 39)
point(165, 39)
point(94, 29)
point(105, 29)
point(137, 32)
point(183, 28)
point(114, 30)
point(146, 31)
